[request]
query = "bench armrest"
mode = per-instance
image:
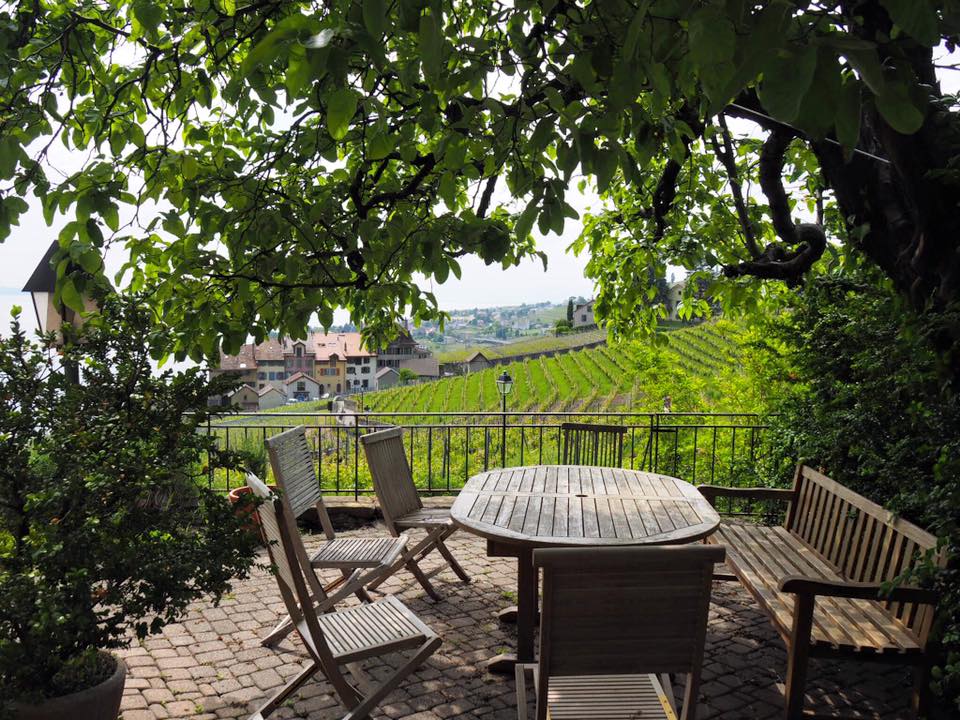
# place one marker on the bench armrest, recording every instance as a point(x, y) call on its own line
point(712, 492)
point(800, 585)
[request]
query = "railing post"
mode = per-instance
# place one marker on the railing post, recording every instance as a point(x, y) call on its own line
point(356, 458)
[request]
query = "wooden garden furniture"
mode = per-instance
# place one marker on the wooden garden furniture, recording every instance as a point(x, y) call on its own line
point(358, 560)
point(521, 508)
point(338, 641)
point(585, 444)
point(611, 619)
point(403, 510)
point(820, 579)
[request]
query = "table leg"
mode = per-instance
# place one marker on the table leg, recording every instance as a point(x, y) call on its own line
point(527, 582)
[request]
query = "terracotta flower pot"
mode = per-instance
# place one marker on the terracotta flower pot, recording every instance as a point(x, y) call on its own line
point(101, 702)
point(244, 506)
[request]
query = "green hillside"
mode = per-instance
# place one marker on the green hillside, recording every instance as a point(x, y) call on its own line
point(698, 367)
point(524, 346)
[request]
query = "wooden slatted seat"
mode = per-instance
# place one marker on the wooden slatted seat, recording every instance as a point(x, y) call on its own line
point(608, 697)
point(821, 578)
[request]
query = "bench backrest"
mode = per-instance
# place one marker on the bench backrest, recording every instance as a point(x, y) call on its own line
point(861, 540)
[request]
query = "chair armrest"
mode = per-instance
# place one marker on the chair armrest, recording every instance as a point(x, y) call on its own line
point(800, 585)
point(712, 492)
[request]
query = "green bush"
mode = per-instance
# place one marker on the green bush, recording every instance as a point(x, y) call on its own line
point(861, 392)
point(106, 526)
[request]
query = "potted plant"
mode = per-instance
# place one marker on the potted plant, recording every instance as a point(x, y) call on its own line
point(107, 527)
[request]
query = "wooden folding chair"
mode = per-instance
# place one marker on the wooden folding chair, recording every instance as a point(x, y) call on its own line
point(585, 444)
point(359, 560)
point(343, 638)
point(611, 618)
point(402, 509)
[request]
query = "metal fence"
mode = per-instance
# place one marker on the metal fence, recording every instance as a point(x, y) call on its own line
point(445, 449)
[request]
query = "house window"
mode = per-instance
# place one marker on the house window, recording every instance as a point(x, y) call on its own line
point(366, 383)
point(365, 371)
point(272, 376)
point(261, 376)
point(260, 387)
point(333, 362)
point(338, 387)
point(583, 318)
point(298, 351)
point(301, 386)
point(351, 370)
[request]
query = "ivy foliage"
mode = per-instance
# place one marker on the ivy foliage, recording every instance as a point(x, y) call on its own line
point(261, 161)
point(107, 527)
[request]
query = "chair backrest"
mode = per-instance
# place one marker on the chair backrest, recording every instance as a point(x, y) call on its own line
point(586, 444)
point(392, 479)
point(293, 471)
point(624, 611)
point(863, 541)
point(280, 535)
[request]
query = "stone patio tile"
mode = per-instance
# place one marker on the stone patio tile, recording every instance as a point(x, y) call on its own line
point(211, 665)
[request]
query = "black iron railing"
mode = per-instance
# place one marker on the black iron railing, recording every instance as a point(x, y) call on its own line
point(445, 449)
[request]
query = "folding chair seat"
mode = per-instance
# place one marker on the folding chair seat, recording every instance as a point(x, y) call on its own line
point(359, 560)
point(612, 619)
point(403, 510)
point(338, 641)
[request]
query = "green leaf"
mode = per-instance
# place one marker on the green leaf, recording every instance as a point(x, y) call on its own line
point(341, 107)
point(525, 222)
point(847, 121)
point(431, 46)
point(90, 261)
point(380, 146)
point(375, 17)
point(786, 78)
point(868, 67)
point(633, 30)
point(918, 18)
point(149, 15)
point(189, 167)
point(898, 109)
point(70, 296)
point(711, 37)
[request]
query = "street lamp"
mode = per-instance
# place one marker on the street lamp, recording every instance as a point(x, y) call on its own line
point(504, 386)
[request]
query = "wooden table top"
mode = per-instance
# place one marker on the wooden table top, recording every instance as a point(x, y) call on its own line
point(546, 505)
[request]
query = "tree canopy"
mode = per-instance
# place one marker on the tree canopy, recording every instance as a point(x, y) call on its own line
point(263, 160)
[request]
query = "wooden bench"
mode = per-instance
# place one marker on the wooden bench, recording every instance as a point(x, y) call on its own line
point(819, 578)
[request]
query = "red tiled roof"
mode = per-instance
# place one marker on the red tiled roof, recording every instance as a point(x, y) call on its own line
point(269, 349)
point(341, 345)
point(244, 360)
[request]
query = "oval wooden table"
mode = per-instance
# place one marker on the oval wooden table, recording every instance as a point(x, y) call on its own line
point(522, 508)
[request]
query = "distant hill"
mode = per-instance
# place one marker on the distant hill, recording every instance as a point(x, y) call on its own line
point(525, 346)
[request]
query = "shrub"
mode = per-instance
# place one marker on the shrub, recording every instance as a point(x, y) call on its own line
point(107, 529)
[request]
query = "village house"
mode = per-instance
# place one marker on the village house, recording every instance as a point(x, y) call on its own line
point(245, 398)
point(583, 315)
point(476, 362)
point(271, 397)
point(301, 387)
point(387, 377)
point(404, 352)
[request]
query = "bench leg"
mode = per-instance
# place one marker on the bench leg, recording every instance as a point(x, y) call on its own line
point(920, 702)
point(798, 655)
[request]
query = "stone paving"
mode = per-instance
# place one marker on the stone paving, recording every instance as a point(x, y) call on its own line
point(212, 665)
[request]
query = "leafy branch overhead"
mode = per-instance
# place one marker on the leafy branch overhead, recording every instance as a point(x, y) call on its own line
point(263, 160)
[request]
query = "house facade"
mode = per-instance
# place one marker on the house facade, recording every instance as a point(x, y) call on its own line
point(404, 352)
point(674, 298)
point(301, 387)
point(583, 315)
point(387, 377)
point(476, 362)
point(271, 397)
point(246, 398)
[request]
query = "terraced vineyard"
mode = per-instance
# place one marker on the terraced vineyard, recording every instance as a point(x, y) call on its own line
point(698, 367)
point(689, 367)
